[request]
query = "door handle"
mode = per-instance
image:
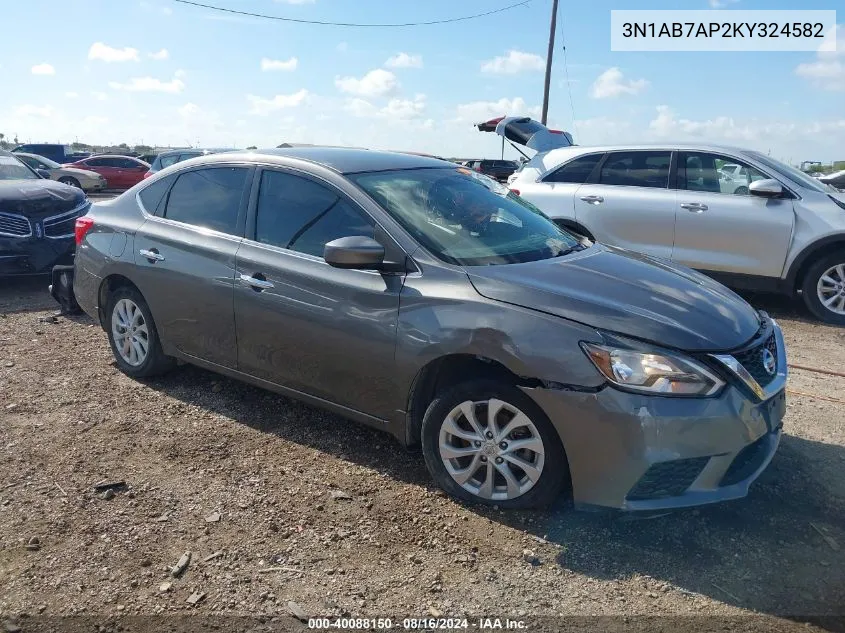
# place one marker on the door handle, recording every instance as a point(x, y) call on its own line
point(592, 199)
point(694, 207)
point(256, 283)
point(152, 254)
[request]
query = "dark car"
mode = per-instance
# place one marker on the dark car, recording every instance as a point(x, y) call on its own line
point(497, 169)
point(61, 154)
point(37, 218)
point(836, 179)
point(171, 157)
point(428, 301)
point(120, 172)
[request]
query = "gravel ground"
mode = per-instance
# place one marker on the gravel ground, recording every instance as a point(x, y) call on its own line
point(287, 509)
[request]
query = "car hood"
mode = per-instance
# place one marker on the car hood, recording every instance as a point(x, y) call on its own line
point(76, 171)
point(38, 198)
point(627, 293)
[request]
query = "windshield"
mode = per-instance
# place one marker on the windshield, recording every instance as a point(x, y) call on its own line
point(795, 175)
point(466, 218)
point(12, 169)
point(51, 164)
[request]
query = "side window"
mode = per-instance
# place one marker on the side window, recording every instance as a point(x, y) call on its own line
point(302, 215)
point(575, 171)
point(152, 195)
point(96, 162)
point(637, 169)
point(187, 156)
point(209, 198)
point(716, 174)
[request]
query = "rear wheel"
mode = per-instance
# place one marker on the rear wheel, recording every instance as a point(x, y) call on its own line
point(69, 180)
point(823, 288)
point(133, 336)
point(487, 442)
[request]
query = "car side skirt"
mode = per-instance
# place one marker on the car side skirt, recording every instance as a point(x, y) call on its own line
point(750, 282)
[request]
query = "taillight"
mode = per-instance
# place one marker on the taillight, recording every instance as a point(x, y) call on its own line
point(83, 225)
point(516, 191)
point(148, 174)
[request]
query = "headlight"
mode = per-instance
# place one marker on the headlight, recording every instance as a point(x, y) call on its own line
point(655, 373)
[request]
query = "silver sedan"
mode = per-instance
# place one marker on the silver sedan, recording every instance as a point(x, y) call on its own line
point(81, 178)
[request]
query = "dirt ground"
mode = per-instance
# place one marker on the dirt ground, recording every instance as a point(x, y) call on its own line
point(290, 511)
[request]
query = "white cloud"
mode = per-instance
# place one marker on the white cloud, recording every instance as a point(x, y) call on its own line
point(100, 96)
point(30, 110)
point(277, 64)
point(180, 74)
point(264, 106)
point(160, 55)
point(149, 84)
point(376, 83)
point(71, 95)
point(514, 62)
point(188, 109)
point(395, 110)
point(478, 111)
point(106, 53)
point(828, 71)
point(612, 83)
point(403, 60)
point(721, 4)
point(43, 69)
point(94, 121)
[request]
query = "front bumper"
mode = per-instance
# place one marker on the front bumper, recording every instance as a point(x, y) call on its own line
point(639, 452)
point(32, 255)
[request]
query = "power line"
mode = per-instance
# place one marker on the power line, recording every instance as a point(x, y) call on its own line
point(566, 77)
point(354, 24)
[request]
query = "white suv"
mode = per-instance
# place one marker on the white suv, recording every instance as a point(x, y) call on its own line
point(738, 215)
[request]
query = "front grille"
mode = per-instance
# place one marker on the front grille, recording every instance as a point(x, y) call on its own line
point(14, 225)
point(746, 462)
point(667, 479)
point(62, 225)
point(752, 360)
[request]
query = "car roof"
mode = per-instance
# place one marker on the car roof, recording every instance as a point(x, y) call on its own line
point(187, 150)
point(575, 150)
point(110, 156)
point(339, 159)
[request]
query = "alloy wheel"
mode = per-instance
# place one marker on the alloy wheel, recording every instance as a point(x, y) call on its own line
point(491, 449)
point(831, 289)
point(130, 332)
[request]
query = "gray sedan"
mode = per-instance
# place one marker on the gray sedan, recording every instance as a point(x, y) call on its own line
point(80, 178)
point(412, 295)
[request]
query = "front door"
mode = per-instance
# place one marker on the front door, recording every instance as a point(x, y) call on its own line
point(630, 204)
point(185, 260)
point(720, 227)
point(302, 324)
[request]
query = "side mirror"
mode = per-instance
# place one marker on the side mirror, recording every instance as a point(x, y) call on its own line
point(354, 252)
point(43, 173)
point(767, 188)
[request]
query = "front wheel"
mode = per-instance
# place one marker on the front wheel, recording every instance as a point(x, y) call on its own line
point(69, 180)
point(133, 336)
point(823, 288)
point(487, 442)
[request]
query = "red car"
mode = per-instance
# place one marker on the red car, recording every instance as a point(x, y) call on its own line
point(120, 172)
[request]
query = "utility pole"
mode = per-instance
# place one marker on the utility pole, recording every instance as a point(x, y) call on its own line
point(549, 55)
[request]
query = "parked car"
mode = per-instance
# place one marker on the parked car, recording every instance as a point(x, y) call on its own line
point(120, 172)
point(148, 158)
point(420, 298)
point(37, 218)
point(498, 169)
point(56, 152)
point(774, 228)
point(171, 157)
point(80, 178)
point(836, 179)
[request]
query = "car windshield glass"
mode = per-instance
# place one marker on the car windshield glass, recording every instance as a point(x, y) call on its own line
point(51, 164)
point(795, 175)
point(466, 218)
point(13, 169)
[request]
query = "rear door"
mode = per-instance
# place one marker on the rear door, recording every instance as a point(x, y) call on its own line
point(627, 202)
point(721, 227)
point(132, 171)
point(185, 259)
point(324, 331)
point(103, 167)
point(554, 193)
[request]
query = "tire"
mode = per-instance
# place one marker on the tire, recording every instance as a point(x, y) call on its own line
point(445, 414)
point(118, 310)
point(69, 180)
point(831, 267)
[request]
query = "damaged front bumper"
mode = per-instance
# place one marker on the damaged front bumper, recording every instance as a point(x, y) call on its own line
point(643, 453)
point(34, 255)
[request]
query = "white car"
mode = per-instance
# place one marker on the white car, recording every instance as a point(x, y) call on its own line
point(765, 226)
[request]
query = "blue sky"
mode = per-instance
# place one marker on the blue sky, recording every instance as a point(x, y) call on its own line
point(111, 71)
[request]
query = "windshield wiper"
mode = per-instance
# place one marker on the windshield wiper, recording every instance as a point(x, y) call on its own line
point(571, 249)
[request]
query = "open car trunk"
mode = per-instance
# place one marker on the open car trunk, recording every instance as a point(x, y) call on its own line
point(526, 131)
